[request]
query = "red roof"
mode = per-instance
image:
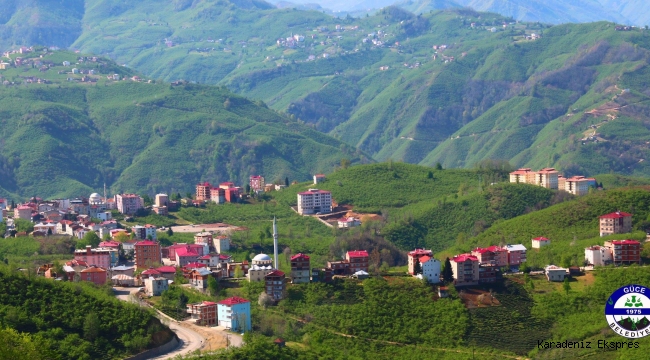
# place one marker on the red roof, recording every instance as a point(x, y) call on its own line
point(616, 215)
point(495, 248)
point(541, 238)
point(194, 265)
point(424, 259)
point(625, 242)
point(109, 244)
point(93, 269)
point(309, 192)
point(275, 273)
point(233, 301)
point(464, 257)
point(224, 257)
point(420, 252)
point(146, 243)
point(151, 272)
point(186, 252)
point(521, 171)
point(166, 269)
point(256, 176)
point(204, 184)
point(300, 256)
point(205, 257)
point(358, 253)
point(546, 171)
point(320, 175)
point(481, 250)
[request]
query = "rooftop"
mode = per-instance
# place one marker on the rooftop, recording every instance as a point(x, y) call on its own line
point(358, 253)
point(233, 301)
point(464, 257)
point(541, 238)
point(616, 215)
point(275, 273)
point(300, 256)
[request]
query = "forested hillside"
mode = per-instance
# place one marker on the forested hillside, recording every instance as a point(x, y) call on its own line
point(66, 138)
point(73, 320)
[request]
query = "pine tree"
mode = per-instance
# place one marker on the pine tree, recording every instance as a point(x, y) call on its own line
point(286, 181)
point(417, 267)
point(447, 273)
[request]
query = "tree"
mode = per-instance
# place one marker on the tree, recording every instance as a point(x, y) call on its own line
point(438, 166)
point(239, 273)
point(447, 272)
point(170, 232)
point(264, 300)
point(430, 175)
point(524, 268)
point(566, 285)
point(248, 188)
point(417, 267)
point(286, 181)
point(213, 286)
point(18, 346)
point(566, 261)
point(91, 238)
point(345, 163)
point(122, 237)
point(91, 326)
point(287, 255)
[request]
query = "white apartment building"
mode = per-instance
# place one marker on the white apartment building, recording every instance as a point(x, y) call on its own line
point(314, 201)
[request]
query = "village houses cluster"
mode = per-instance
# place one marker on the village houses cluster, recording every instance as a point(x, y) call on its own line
point(551, 179)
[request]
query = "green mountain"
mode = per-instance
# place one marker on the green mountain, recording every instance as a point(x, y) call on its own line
point(66, 137)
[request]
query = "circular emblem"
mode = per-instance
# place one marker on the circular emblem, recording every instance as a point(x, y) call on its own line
point(628, 311)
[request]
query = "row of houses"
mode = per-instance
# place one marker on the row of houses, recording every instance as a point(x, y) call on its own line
point(551, 179)
point(232, 313)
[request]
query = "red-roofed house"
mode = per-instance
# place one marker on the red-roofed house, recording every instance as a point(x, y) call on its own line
point(150, 272)
point(500, 255)
point(358, 260)
point(520, 176)
point(115, 245)
point(466, 270)
point(417, 254)
point(275, 285)
point(300, 269)
point(96, 257)
point(199, 277)
point(615, 223)
point(484, 255)
point(94, 274)
point(205, 313)
point(235, 313)
point(538, 242)
point(146, 254)
point(23, 212)
point(168, 272)
point(186, 255)
point(218, 195)
point(314, 201)
point(625, 252)
point(171, 250)
point(577, 185)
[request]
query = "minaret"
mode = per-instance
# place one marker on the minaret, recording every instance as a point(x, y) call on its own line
point(105, 193)
point(275, 244)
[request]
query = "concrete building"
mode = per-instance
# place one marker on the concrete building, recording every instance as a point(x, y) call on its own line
point(204, 313)
point(222, 243)
point(94, 257)
point(23, 212)
point(155, 286)
point(416, 255)
point(128, 204)
point(94, 274)
point(430, 269)
point(538, 242)
point(521, 176)
point(261, 265)
point(257, 182)
point(624, 252)
point(300, 269)
point(275, 285)
point(161, 200)
point(348, 222)
point(203, 191)
point(598, 255)
point(484, 255)
point(319, 178)
point(555, 273)
point(199, 278)
point(465, 268)
point(186, 255)
point(577, 185)
point(235, 313)
point(547, 178)
point(488, 272)
point(218, 195)
point(314, 201)
point(516, 254)
point(146, 254)
point(358, 260)
point(615, 223)
point(147, 232)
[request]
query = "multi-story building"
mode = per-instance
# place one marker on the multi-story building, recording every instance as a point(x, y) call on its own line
point(203, 191)
point(624, 252)
point(97, 257)
point(128, 204)
point(221, 243)
point(547, 178)
point(521, 176)
point(161, 200)
point(516, 254)
point(500, 255)
point(154, 286)
point(300, 270)
point(147, 232)
point(203, 238)
point(339, 267)
point(94, 274)
point(319, 178)
point(275, 285)
point(146, 254)
point(199, 278)
point(598, 255)
point(430, 269)
point(465, 268)
point(484, 255)
point(555, 273)
point(232, 194)
point(23, 212)
point(321, 275)
point(615, 223)
point(204, 313)
point(488, 273)
point(257, 182)
point(218, 195)
point(186, 255)
point(314, 201)
point(160, 210)
point(416, 255)
point(235, 313)
point(358, 260)
point(538, 242)
point(577, 185)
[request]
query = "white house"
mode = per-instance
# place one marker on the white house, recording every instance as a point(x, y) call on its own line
point(555, 273)
point(66, 63)
point(430, 269)
point(314, 201)
point(348, 222)
point(155, 286)
point(234, 313)
point(538, 242)
point(598, 255)
point(221, 243)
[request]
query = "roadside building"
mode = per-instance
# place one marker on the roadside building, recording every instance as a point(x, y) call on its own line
point(615, 223)
point(516, 254)
point(128, 204)
point(235, 313)
point(94, 274)
point(275, 285)
point(598, 255)
point(300, 269)
point(146, 254)
point(624, 252)
point(314, 201)
point(154, 286)
point(348, 222)
point(146, 232)
point(199, 278)
point(203, 191)
point(94, 257)
point(204, 313)
point(577, 185)
point(222, 243)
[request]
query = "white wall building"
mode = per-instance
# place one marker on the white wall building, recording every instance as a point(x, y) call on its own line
point(221, 243)
point(555, 273)
point(155, 286)
point(538, 242)
point(598, 255)
point(430, 269)
point(314, 201)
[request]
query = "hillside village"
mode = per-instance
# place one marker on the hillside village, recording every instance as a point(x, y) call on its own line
point(132, 257)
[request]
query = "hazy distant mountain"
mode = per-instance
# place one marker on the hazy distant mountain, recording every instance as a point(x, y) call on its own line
point(636, 11)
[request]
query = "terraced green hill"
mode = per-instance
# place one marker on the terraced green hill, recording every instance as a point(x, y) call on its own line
point(67, 137)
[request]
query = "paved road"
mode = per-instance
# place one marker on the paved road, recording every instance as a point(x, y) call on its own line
point(189, 340)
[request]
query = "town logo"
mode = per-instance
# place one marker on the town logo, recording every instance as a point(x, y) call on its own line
point(628, 311)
